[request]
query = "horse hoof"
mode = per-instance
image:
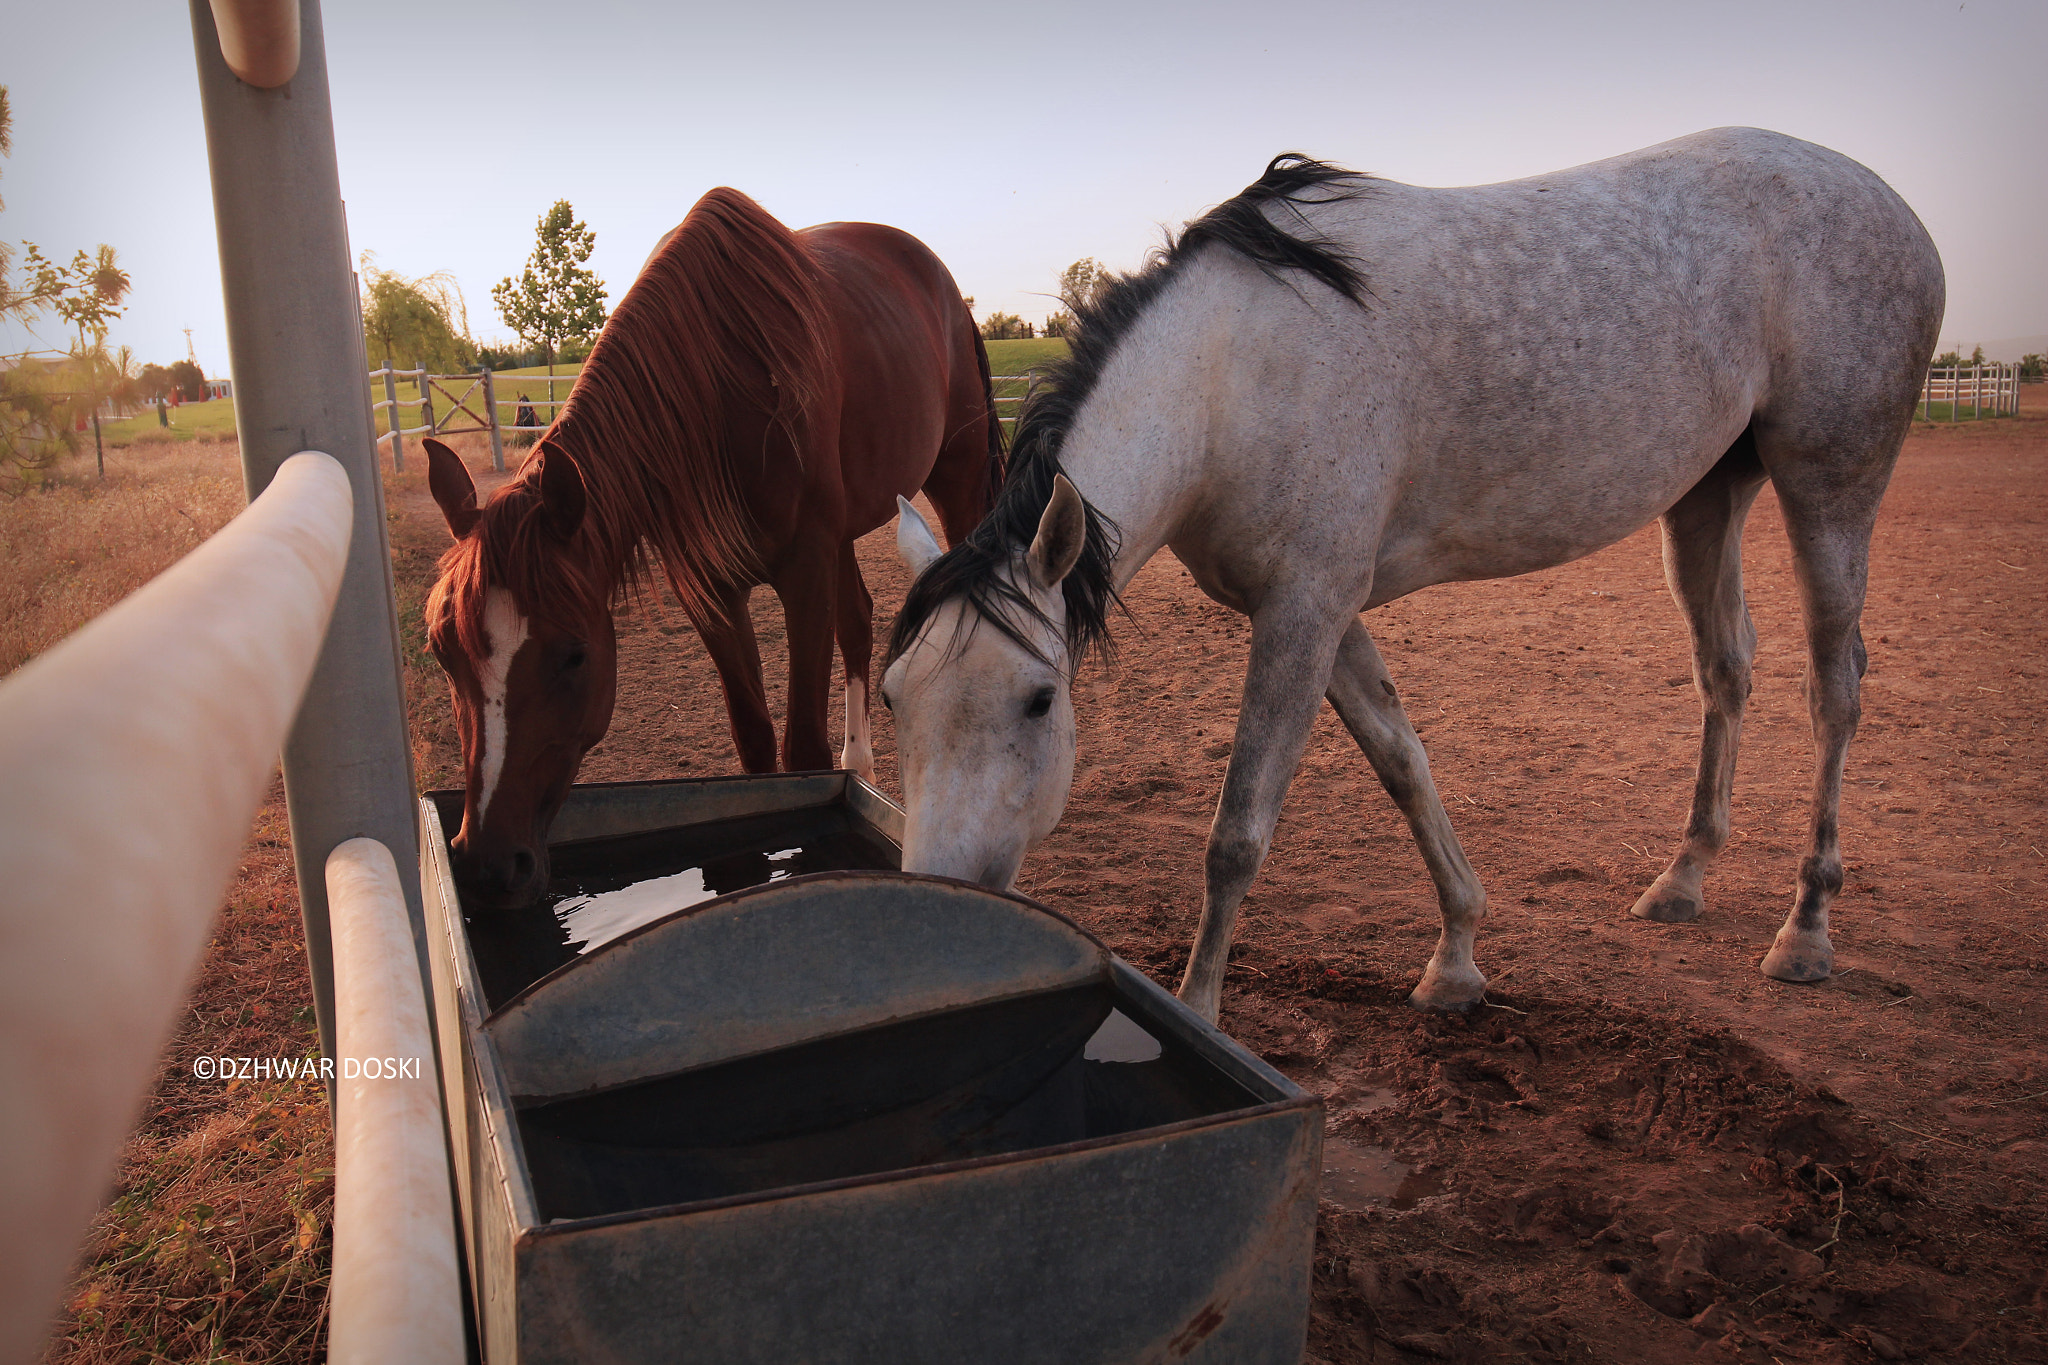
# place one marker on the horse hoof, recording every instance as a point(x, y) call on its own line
point(1448, 994)
point(1800, 958)
point(1416, 1001)
point(1202, 1003)
point(1667, 904)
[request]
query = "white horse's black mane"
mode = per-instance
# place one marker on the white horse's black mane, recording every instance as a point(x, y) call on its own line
point(1242, 224)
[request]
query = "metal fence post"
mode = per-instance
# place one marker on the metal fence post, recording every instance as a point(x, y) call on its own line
point(497, 437)
point(426, 400)
point(391, 418)
point(292, 336)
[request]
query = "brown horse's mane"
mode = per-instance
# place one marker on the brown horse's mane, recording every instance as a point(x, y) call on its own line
point(727, 317)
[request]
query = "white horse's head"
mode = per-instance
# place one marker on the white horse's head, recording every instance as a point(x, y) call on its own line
point(983, 699)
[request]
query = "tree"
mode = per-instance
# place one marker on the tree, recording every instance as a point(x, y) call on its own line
point(2031, 367)
point(188, 382)
point(44, 402)
point(154, 382)
point(1005, 327)
point(1080, 282)
point(420, 322)
point(555, 299)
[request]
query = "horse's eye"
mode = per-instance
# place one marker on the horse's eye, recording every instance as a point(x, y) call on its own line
point(1040, 703)
point(887, 705)
point(574, 659)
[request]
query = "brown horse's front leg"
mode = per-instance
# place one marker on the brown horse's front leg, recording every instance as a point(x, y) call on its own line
point(729, 639)
point(856, 622)
point(808, 588)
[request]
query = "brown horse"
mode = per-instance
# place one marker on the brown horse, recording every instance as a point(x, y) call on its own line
point(758, 402)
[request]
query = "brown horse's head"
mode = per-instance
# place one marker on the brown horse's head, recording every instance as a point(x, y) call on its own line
point(521, 620)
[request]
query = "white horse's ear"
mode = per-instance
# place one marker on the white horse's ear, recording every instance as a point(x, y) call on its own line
point(914, 538)
point(1062, 532)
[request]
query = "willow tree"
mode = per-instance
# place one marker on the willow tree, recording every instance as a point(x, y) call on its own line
point(422, 322)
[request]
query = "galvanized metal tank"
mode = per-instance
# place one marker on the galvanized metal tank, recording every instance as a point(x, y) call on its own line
point(844, 1115)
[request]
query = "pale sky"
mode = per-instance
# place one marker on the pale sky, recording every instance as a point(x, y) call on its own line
point(1012, 139)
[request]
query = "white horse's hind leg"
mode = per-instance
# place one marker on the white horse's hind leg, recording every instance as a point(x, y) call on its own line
point(1365, 699)
point(1830, 499)
point(1703, 565)
point(1291, 653)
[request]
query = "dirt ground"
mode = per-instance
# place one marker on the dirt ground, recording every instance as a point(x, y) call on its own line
point(1643, 1150)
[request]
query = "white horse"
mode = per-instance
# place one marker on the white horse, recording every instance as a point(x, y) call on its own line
point(1331, 391)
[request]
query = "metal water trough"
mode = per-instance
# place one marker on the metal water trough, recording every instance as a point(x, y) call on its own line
point(846, 1115)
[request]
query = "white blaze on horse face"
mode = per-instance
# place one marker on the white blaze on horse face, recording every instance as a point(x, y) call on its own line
point(505, 630)
point(984, 778)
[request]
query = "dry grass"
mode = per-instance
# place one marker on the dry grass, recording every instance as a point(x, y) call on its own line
point(78, 544)
point(215, 1244)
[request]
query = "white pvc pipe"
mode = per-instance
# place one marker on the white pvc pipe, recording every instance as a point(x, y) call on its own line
point(395, 1292)
point(132, 759)
point(259, 39)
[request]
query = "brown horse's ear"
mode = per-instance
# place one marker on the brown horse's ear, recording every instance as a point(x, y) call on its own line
point(561, 493)
point(452, 488)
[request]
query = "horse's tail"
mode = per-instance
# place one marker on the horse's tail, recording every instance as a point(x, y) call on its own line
point(992, 472)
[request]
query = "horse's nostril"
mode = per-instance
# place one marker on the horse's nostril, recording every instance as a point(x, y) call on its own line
point(522, 867)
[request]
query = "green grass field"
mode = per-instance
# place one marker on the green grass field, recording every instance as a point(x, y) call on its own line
point(1019, 358)
point(216, 420)
point(212, 421)
point(1959, 412)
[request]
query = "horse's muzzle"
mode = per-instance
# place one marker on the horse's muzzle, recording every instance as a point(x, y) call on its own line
point(498, 874)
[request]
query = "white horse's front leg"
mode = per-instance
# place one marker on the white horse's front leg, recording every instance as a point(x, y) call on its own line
point(1370, 708)
point(1291, 654)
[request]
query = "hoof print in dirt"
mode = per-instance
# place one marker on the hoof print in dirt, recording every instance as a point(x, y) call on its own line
point(1696, 1273)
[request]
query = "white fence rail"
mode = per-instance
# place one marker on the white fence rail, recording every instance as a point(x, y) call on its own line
point(132, 758)
point(1990, 389)
point(438, 422)
point(457, 406)
point(397, 1290)
point(1030, 383)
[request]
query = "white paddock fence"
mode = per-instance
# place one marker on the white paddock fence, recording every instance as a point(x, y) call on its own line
point(481, 389)
point(397, 1284)
point(134, 754)
point(1030, 383)
point(454, 406)
point(1991, 388)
